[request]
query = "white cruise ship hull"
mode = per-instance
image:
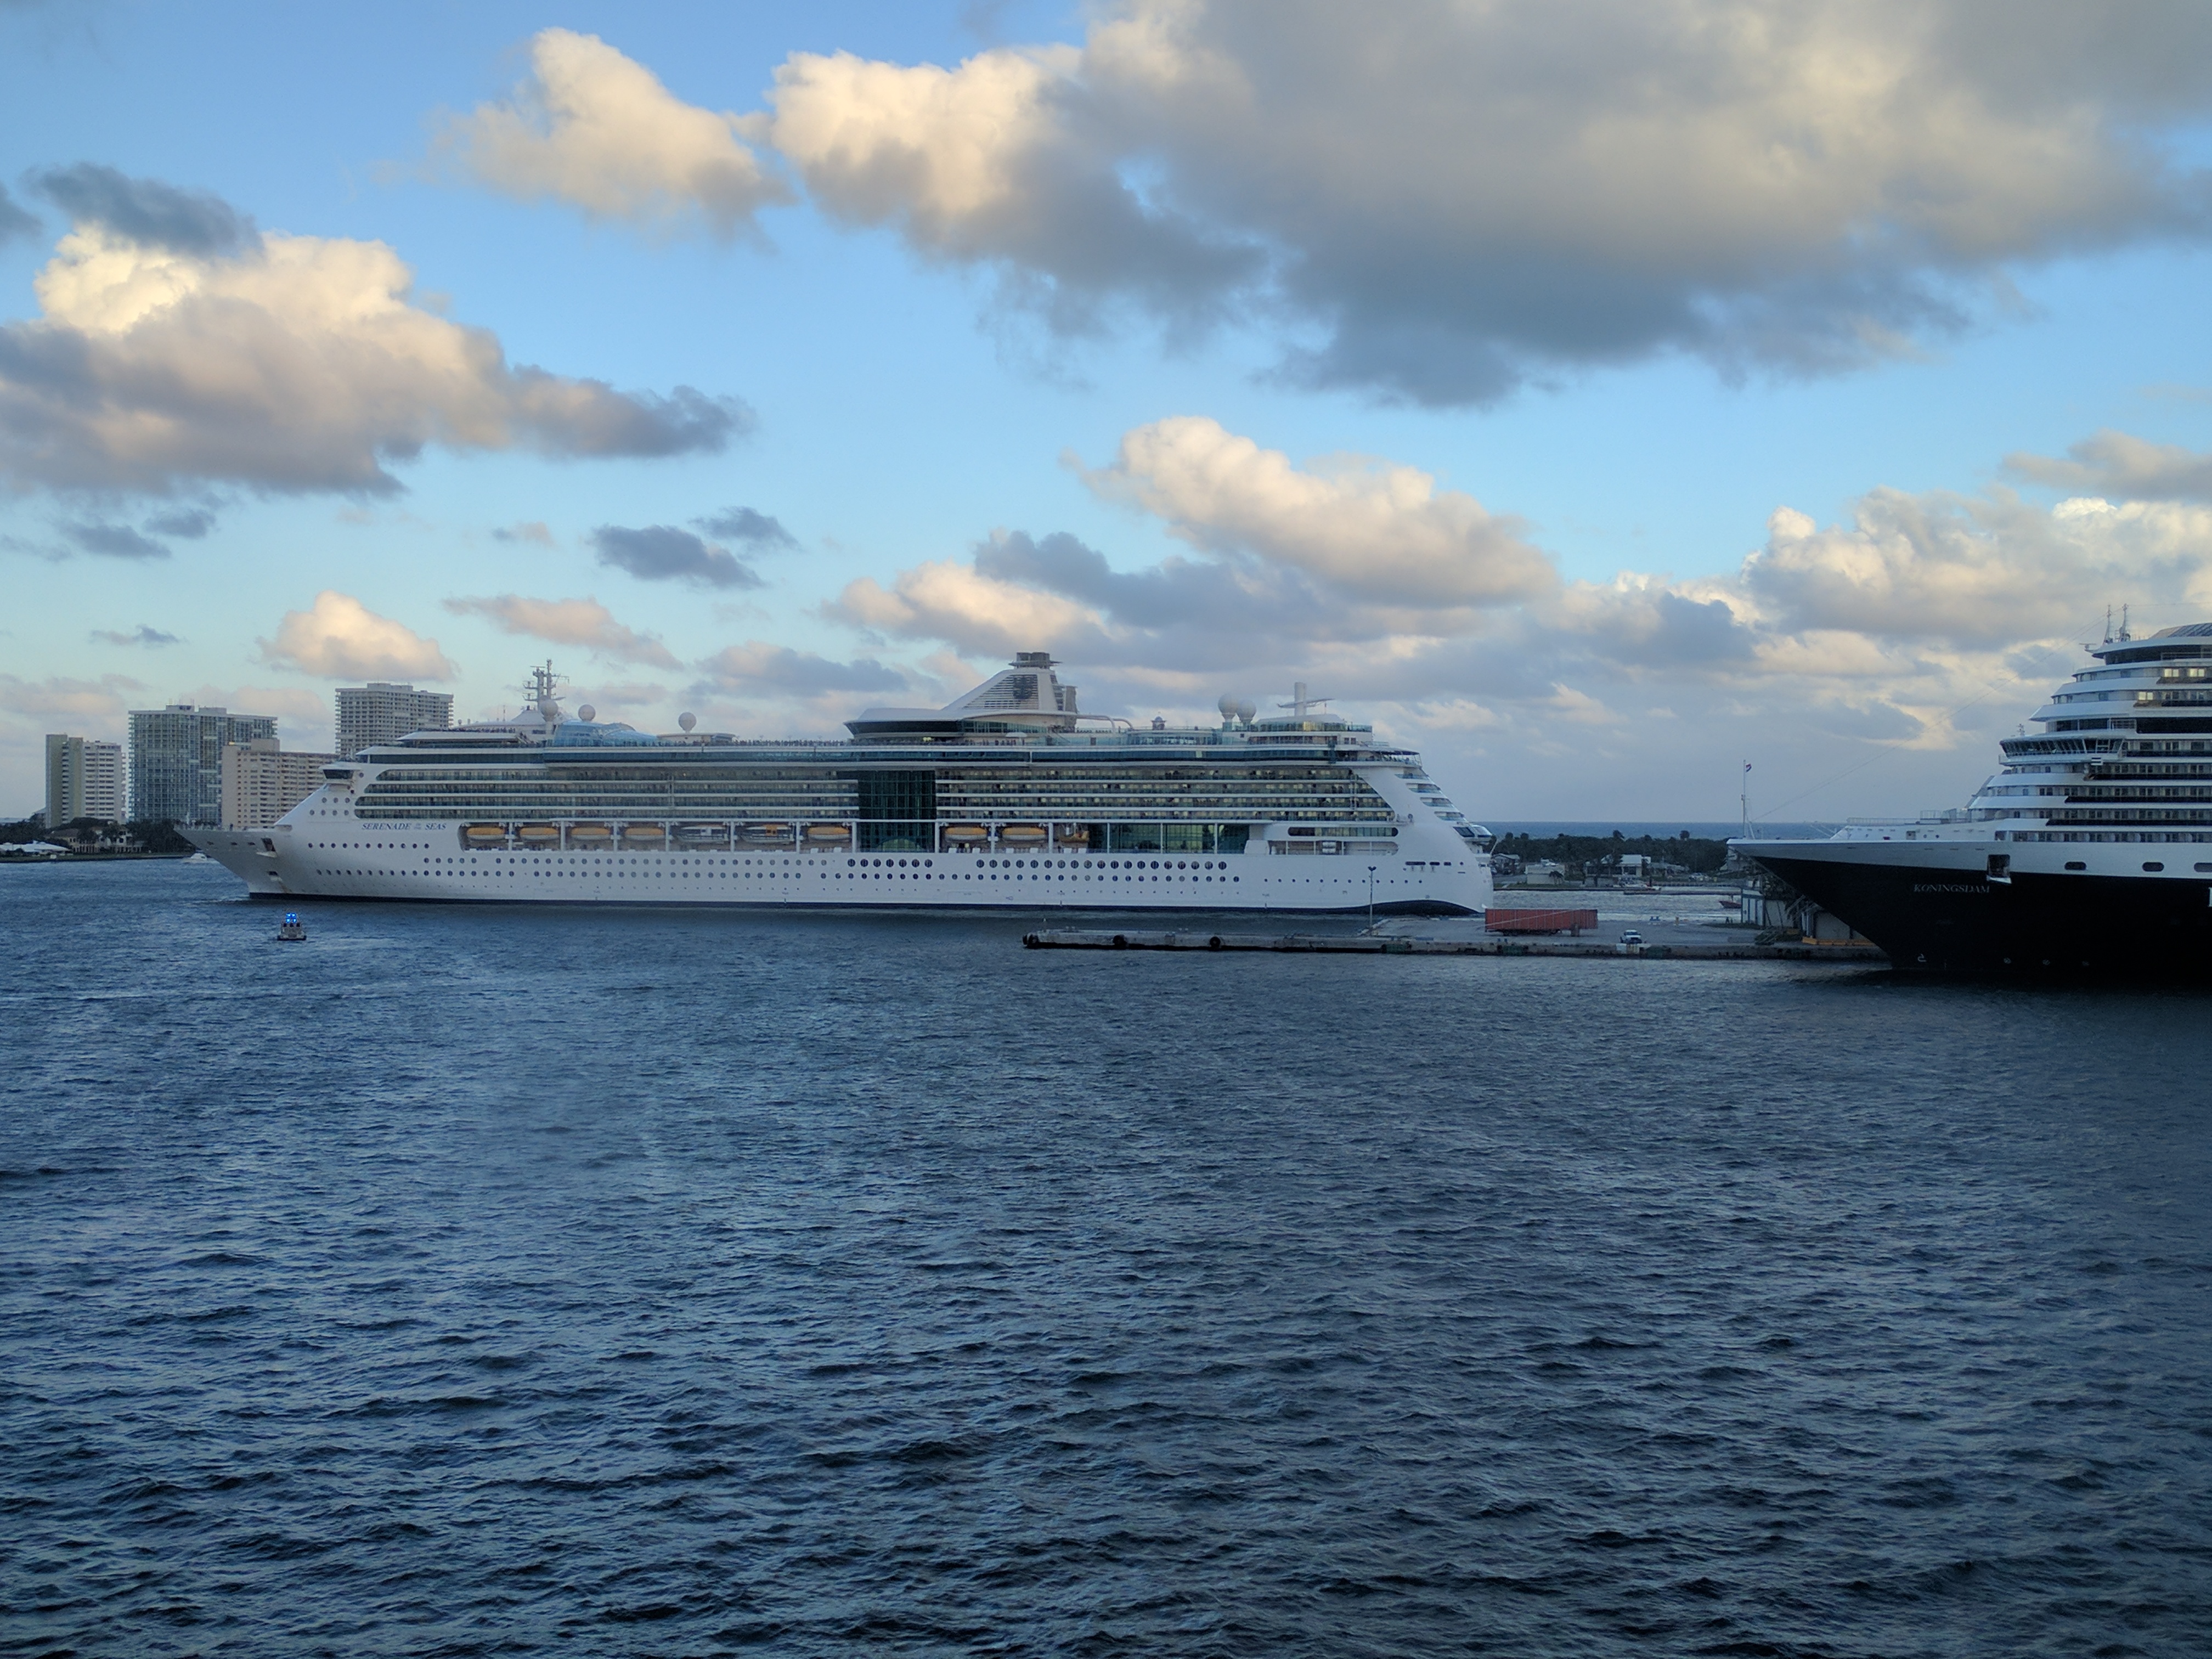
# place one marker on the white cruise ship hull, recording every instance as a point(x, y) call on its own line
point(295, 859)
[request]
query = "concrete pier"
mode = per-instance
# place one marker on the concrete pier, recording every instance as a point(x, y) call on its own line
point(1734, 950)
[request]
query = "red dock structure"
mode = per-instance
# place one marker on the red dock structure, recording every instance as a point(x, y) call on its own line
point(1540, 922)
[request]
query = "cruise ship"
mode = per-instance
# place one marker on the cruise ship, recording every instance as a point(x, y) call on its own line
point(2090, 850)
point(1005, 799)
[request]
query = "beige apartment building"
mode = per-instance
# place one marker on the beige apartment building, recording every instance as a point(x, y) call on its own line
point(84, 779)
point(261, 782)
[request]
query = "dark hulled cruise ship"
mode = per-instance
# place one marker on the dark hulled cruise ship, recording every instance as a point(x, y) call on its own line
point(2089, 851)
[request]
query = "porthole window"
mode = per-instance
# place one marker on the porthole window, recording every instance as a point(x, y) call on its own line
point(2154, 866)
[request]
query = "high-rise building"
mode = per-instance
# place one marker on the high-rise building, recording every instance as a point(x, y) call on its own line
point(176, 760)
point(261, 782)
point(382, 713)
point(84, 779)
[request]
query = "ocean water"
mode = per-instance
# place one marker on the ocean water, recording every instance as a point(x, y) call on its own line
point(487, 1282)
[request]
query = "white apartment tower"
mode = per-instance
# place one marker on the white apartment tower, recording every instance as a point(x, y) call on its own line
point(176, 760)
point(383, 712)
point(84, 779)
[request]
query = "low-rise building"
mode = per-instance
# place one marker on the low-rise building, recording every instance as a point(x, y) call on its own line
point(85, 779)
point(262, 781)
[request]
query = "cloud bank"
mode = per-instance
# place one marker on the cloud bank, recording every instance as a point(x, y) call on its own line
point(2111, 463)
point(1439, 200)
point(1891, 627)
point(178, 345)
point(1381, 531)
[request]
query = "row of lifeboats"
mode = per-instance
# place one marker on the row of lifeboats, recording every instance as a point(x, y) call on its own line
point(1010, 835)
point(764, 837)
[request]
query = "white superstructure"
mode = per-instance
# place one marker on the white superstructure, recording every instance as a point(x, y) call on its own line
point(1007, 797)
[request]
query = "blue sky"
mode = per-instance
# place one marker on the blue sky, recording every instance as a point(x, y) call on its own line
point(1456, 364)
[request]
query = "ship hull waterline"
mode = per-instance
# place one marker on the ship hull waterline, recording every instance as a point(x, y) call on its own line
point(1938, 920)
point(1262, 885)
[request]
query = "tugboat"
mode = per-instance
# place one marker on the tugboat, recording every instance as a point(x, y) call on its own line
point(291, 930)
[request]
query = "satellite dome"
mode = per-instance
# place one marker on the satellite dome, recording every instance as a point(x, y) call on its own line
point(1245, 709)
point(687, 720)
point(1228, 707)
point(588, 714)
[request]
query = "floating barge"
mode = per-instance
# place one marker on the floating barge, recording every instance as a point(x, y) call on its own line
point(1073, 938)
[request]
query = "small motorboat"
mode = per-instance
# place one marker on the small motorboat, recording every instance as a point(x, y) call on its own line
point(291, 930)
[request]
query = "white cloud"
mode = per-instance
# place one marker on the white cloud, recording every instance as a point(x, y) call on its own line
point(1455, 195)
point(596, 129)
point(582, 621)
point(941, 148)
point(981, 163)
point(1371, 528)
point(340, 638)
point(1978, 572)
point(969, 610)
point(282, 363)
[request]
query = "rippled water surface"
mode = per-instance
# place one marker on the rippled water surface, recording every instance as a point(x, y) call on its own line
point(646, 1283)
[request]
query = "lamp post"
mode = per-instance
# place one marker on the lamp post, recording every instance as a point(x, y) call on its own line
point(1370, 898)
